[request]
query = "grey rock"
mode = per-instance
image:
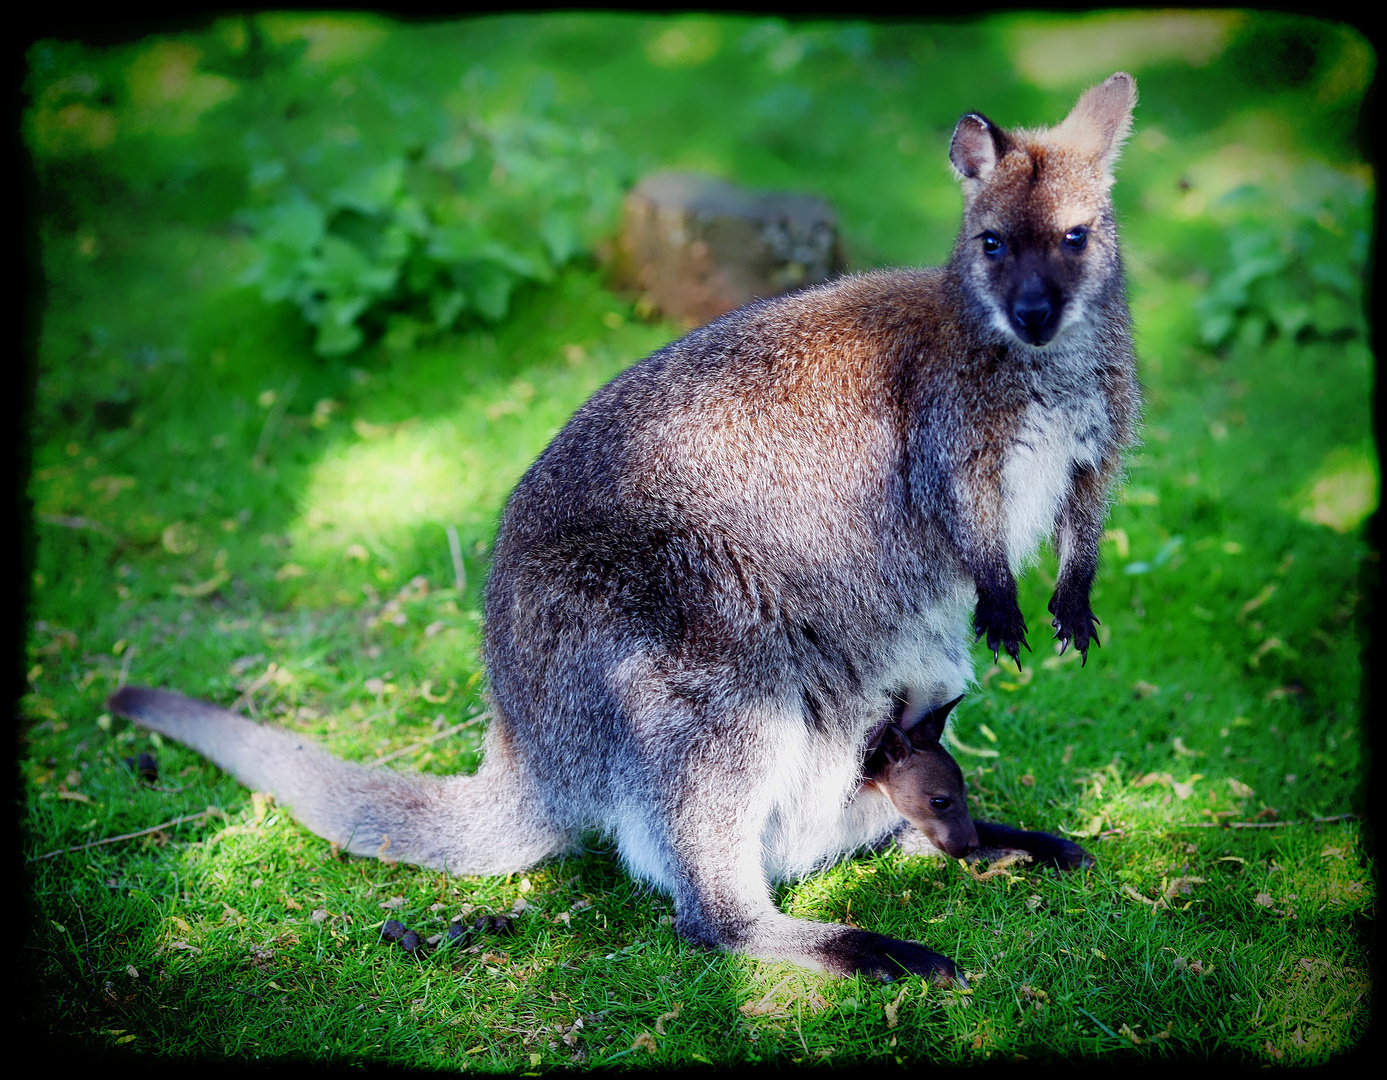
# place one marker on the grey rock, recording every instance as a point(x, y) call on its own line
point(697, 247)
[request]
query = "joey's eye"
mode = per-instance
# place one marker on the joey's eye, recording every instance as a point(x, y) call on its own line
point(1076, 238)
point(941, 802)
point(992, 244)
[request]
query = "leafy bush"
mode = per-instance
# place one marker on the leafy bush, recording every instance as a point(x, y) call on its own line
point(1296, 269)
point(399, 213)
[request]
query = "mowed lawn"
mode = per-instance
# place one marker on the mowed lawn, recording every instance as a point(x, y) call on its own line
point(230, 500)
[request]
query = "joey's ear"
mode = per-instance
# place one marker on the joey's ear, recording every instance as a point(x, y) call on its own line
point(977, 146)
point(1101, 120)
point(895, 744)
point(930, 729)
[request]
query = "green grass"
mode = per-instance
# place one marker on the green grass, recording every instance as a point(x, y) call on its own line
point(212, 500)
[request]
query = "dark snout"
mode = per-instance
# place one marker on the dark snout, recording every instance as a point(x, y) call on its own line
point(957, 840)
point(1036, 309)
point(961, 848)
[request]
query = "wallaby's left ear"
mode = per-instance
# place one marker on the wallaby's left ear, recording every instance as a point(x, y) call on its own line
point(895, 744)
point(930, 729)
point(1101, 120)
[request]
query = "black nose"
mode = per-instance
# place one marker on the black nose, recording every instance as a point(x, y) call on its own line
point(1035, 311)
point(1032, 318)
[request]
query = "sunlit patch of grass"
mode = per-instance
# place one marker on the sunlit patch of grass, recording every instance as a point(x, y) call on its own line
point(332, 39)
point(383, 493)
point(1343, 492)
point(1085, 51)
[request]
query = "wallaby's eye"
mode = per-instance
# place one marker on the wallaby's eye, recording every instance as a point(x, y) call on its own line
point(941, 802)
point(1076, 238)
point(992, 244)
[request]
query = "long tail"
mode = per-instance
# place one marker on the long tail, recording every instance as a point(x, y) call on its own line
point(490, 823)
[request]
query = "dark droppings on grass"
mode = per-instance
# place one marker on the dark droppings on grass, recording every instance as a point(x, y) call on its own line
point(145, 768)
point(392, 930)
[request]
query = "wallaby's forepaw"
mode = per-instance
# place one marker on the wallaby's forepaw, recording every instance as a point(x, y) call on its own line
point(1056, 851)
point(886, 959)
point(1044, 849)
point(1064, 855)
point(1074, 623)
point(1002, 622)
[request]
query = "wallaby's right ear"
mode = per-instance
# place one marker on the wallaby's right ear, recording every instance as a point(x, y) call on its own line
point(930, 729)
point(977, 146)
point(1101, 119)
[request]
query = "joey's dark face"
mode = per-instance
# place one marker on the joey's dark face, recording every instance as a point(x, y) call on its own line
point(928, 789)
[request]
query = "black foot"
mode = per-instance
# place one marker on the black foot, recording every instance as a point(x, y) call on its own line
point(1043, 848)
point(887, 959)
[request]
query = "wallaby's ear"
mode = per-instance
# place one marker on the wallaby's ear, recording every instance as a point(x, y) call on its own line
point(1101, 120)
point(895, 744)
point(930, 729)
point(978, 144)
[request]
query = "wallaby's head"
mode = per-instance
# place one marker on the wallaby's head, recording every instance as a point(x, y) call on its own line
point(1038, 249)
point(924, 782)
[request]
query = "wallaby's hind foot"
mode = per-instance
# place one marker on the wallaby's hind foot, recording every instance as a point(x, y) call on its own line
point(722, 900)
point(887, 959)
point(829, 947)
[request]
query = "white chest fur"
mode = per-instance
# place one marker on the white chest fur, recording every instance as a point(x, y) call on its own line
point(1051, 440)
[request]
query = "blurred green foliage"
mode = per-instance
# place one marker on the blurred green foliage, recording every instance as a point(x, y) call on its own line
point(377, 207)
point(1294, 269)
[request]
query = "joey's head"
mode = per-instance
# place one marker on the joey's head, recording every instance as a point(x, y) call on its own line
point(1038, 254)
point(924, 782)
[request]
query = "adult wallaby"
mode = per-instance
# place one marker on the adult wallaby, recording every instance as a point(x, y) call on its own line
point(714, 582)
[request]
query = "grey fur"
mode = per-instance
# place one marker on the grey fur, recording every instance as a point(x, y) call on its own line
point(712, 586)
